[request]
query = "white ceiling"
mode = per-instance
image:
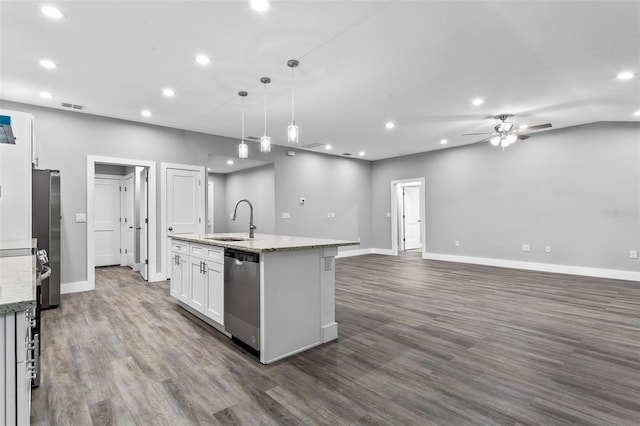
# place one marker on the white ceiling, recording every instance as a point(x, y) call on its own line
point(362, 63)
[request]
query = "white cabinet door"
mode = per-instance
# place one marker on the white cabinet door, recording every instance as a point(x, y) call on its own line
point(180, 285)
point(15, 179)
point(176, 275)
point(198, 277)
point(214, 304)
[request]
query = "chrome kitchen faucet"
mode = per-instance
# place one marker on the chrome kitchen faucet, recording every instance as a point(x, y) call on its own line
point(235, 212)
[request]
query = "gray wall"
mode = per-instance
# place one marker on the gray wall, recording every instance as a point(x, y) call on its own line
point(110, 169)
point(329, 184)
point(66, 138)
point(576, 189)
point(258, 186)
point(220, 215)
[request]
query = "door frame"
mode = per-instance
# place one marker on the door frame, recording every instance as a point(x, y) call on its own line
point(92, 160)
point(164, 270)
point(395, 185)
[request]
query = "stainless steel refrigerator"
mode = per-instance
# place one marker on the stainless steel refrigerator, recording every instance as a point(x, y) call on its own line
point(46, 228)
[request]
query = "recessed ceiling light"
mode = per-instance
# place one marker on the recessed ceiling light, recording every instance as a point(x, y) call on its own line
point(259, 5)
point(477, 101)
point(637, 113)
point(169, 93)
point(626, 75)
point(390, 125)
point(51, 12)
point(46, 95)
point(327, 147)
point(230, 162)
point(145, 113)
point(203, 59)
point(443, 141)
point(48, 63)
point(361, 153)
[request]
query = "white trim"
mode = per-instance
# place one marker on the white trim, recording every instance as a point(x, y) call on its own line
point(152, 206)
point(329, 332)
point(385, 252)
point(164, 273)
point(75, 287)
point(615, 274)
point(394, 211)
point(350, 253)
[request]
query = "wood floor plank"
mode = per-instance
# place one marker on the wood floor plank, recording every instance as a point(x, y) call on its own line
point(421, 343)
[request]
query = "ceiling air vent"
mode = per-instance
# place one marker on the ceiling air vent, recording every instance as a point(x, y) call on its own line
point(253, 138)
point(73, 106)
point(347, 154)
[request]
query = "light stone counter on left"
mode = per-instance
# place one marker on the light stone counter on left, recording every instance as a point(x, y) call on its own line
point(17, 283)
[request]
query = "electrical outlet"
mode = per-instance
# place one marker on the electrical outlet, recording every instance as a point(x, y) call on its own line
point(286, 215)
point(547, 249)
point(327, 263)
point(456, 243)
point(526, 247)
point(633, 254)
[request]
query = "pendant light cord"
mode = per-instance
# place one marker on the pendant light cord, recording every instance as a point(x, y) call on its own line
point(243, 119)
point(265, 109)
point(293, 88)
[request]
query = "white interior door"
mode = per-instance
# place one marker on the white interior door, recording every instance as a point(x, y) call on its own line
point(143, 220)
point(107, 220)
point(128, 221)
point(184, 200)
point(411, 214)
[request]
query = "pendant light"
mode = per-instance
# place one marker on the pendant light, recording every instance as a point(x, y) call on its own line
point(293, 132)
point(243, 148)
point(265, 141)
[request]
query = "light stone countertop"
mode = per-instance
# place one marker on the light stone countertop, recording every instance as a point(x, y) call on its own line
point(17, 283)
point(263, 243)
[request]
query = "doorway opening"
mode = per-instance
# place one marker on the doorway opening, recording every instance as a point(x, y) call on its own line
point(408, 215)
point(121, 216)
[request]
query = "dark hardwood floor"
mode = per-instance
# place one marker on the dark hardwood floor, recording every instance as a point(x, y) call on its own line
point(421, 342)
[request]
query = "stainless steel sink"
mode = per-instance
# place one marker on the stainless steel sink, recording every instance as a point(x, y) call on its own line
point(227, 238)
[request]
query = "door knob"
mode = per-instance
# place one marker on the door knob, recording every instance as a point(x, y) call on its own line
point(171, 228)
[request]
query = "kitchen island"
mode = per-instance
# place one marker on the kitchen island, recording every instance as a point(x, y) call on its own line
point(17, 303)
point(296, 286)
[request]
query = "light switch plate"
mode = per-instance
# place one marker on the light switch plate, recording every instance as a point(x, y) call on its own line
point(286, 215)
point(81, 218)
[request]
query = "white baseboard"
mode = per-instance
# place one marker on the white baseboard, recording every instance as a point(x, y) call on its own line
point(136, 267)
point(76, 287)
point(386, 252)
point(349, 253)
point(542, 267)
point(329, 332)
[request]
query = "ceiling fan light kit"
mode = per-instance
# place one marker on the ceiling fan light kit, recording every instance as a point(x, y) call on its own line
point(505, 133)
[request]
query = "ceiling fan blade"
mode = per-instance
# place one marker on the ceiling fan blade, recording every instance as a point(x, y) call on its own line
point(472, 134)
point(538, 127)
point(523, 137)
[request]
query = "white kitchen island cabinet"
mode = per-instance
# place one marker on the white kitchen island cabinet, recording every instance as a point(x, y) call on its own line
point(297, 288)
point(17, 361)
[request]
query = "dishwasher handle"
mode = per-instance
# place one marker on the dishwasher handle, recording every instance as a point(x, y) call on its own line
point(242, 256)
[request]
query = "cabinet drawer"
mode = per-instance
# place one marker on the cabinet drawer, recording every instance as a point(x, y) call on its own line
point(179, 247)
point(206, 252)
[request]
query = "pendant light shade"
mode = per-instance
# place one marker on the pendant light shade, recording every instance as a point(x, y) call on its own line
point(265, 141)
point(293, 132)
point(243, 148)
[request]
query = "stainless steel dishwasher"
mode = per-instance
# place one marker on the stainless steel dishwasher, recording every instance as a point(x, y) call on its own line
point(242, 296)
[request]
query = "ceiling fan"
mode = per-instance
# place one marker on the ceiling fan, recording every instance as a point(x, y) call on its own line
point(505, 133)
